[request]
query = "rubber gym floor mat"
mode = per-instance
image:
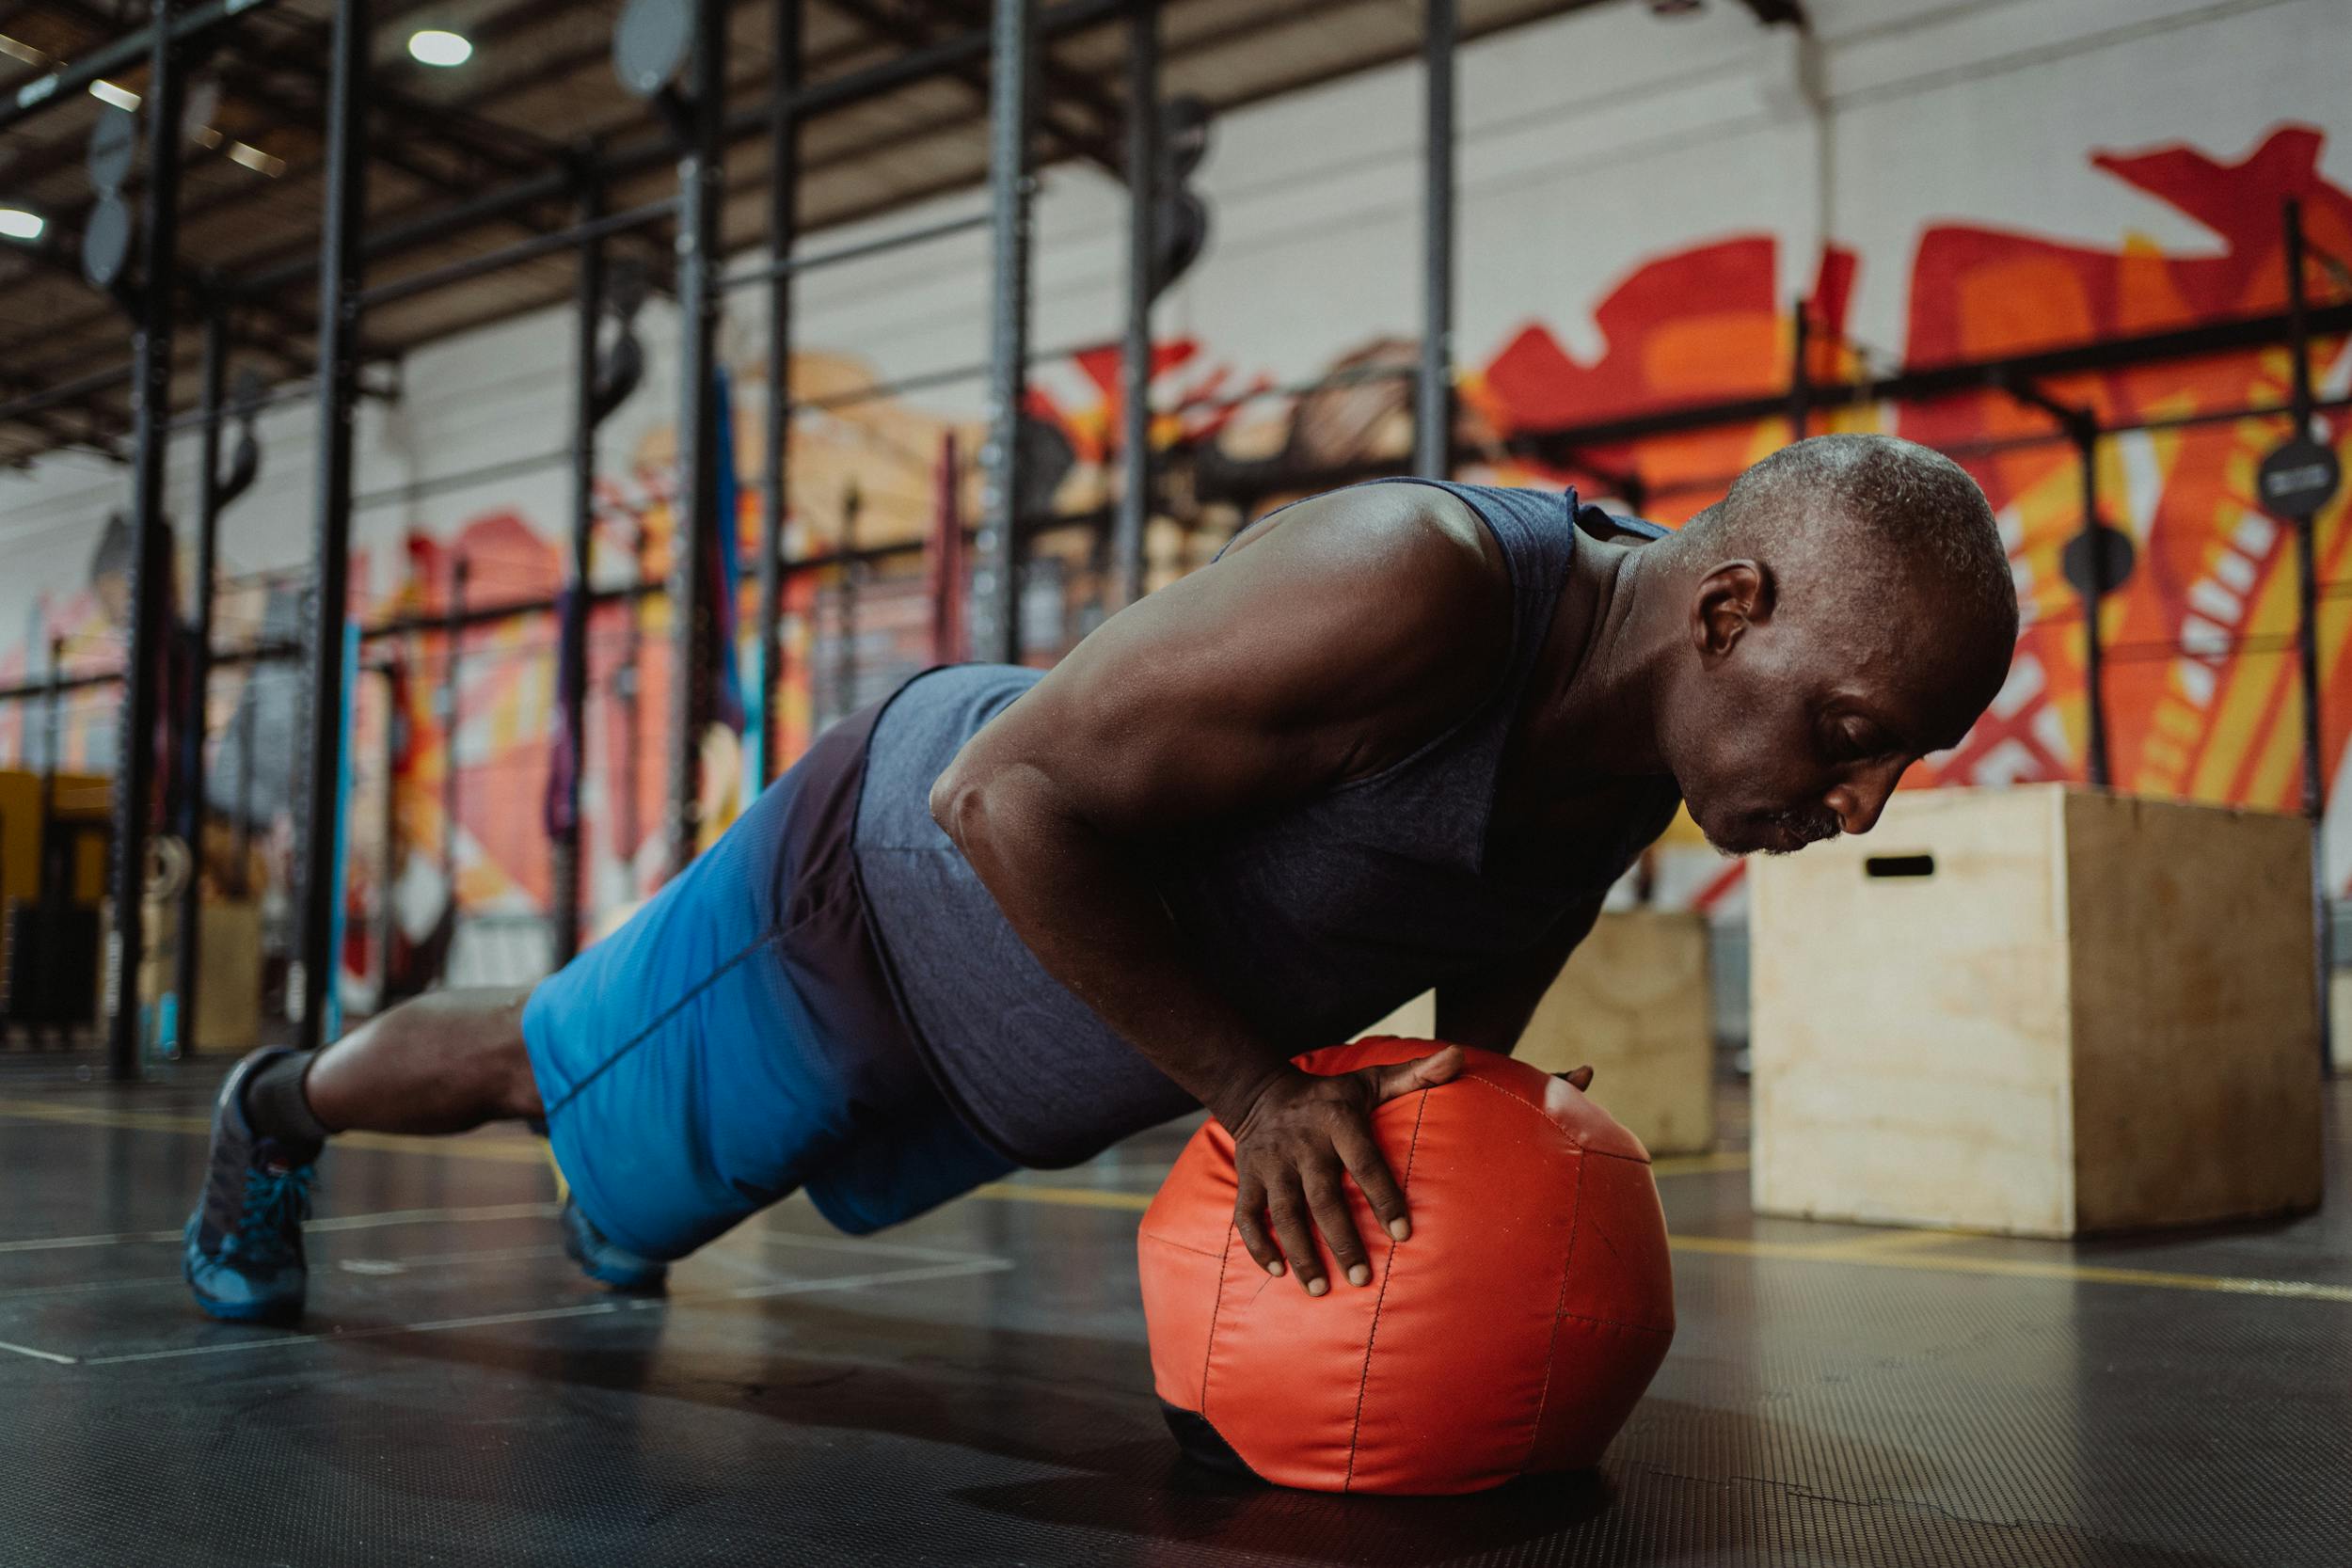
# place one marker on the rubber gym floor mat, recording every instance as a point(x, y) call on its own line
point(973, 1389)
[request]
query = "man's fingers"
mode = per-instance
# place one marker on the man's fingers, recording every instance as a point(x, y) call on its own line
point(1287, 1207)
point(1421, 1074)
point(1581, 1078)
point(1370, 1168)
point(1249, 1219)
point(1328, 1201)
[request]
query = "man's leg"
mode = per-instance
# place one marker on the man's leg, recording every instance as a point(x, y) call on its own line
point(446, 1062)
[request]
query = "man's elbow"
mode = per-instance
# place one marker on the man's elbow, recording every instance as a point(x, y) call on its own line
point(954, 798)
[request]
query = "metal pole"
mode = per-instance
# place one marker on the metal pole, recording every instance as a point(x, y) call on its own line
point(701, 192)
point(454, 633)
point(2307, 633)
point(150, 542)
point(1799, 375)
point(1143, 158)
point(346, 173)
point(628, 685)
point(195, 807)
point(845, 629)
point(784, 174)
point(2085, 430)
point(1433, 412)
point(571, 680)
point(52, 886)
point(388, 844)
point(997, 588)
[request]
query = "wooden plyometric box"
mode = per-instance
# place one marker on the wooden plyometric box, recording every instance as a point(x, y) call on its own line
point(2042, 1010)
point(1632, 1002)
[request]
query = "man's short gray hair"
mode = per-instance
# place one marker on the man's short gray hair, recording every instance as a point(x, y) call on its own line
point(1912, 508)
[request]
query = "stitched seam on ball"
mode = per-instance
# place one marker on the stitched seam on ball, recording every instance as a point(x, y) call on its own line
point(1180, 1246)
point(1208, 1351)
point(1545, 1117)
point(1356, 1428)
point(1559, 1309)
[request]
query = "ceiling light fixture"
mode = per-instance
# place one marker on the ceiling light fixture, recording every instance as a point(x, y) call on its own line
point(122, 98)
point(18, 224)
point(436, 46)
point(255, 159)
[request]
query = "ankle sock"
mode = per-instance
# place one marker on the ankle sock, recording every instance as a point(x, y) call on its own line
point(275, 1107)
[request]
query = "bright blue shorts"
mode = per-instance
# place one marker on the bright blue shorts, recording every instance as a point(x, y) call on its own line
point(734, 1040)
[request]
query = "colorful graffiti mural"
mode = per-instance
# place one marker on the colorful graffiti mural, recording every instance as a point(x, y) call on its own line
point(2201, 695)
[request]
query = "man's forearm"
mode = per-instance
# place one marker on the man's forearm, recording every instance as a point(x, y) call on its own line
point(1082, 904)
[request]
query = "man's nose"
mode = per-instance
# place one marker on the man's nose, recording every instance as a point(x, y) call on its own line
point(1859, 801)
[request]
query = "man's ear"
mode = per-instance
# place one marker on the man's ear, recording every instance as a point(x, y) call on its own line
point(1731, 598)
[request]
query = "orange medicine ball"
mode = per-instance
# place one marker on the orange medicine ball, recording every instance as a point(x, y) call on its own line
point(1512, 1333)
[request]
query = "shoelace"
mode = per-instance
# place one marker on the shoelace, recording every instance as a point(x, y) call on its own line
point(277, 1201)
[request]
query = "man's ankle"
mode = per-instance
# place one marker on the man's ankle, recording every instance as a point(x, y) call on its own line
point(276, 1107)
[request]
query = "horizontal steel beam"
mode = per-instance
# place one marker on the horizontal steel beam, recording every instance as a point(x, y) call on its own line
point(792, 266)
point(515, 255)
point(1927, 383)
point(75, 76)
point(648, 153)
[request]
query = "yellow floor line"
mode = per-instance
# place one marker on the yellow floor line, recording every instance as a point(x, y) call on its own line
point(1077, 1198)
point(1697, 1165)
point(2010, 1268)
point(1904, 1249)
point(1894, 1240)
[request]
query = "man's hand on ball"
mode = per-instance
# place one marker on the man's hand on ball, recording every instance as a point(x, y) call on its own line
point(1291, 1146)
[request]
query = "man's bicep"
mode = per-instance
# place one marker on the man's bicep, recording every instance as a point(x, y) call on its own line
point(1241, 686)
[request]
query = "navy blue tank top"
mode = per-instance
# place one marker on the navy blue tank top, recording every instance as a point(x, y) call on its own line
point(1314, 920)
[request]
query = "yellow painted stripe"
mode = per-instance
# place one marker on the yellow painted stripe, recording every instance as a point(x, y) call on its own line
point(1077, 1198)
point(1697, 1165)
point(2012, 1268)
point(1891, 1241)
point(1907, 1249)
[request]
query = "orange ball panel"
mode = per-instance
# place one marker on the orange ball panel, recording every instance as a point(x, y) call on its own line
point(1513, 1332)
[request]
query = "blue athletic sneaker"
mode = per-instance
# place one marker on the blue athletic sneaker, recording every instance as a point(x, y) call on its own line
point(606, 1264)
point(243, 1252)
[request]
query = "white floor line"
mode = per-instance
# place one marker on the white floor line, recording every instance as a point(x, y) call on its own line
point(852, 1244)
point(589, 1309)
point(39, 1354)
point(850, 1281)
point(312, 1228)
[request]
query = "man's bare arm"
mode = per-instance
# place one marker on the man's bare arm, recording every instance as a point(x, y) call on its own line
point(1347, 633)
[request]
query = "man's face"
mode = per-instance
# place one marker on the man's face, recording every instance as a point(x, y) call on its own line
point(1792, 722)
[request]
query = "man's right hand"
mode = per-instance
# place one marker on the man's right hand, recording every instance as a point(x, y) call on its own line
point(1292, 1141)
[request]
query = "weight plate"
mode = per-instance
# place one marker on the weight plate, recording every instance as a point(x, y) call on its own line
point(2299, 479)
point(106, 242)
point(113, 145)
point(649, 43)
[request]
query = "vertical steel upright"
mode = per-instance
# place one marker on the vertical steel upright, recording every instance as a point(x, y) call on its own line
point(2084, 428)
point(996, 591)
point(571, 681)
point(1433, 409)
point(151, 543)
point(195, 807)
point(1135, 406)
point(2307, 628)
point(340, 267)
point(783, 197)
point(1800, 373)
point(701, 192)
point(452, 707)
